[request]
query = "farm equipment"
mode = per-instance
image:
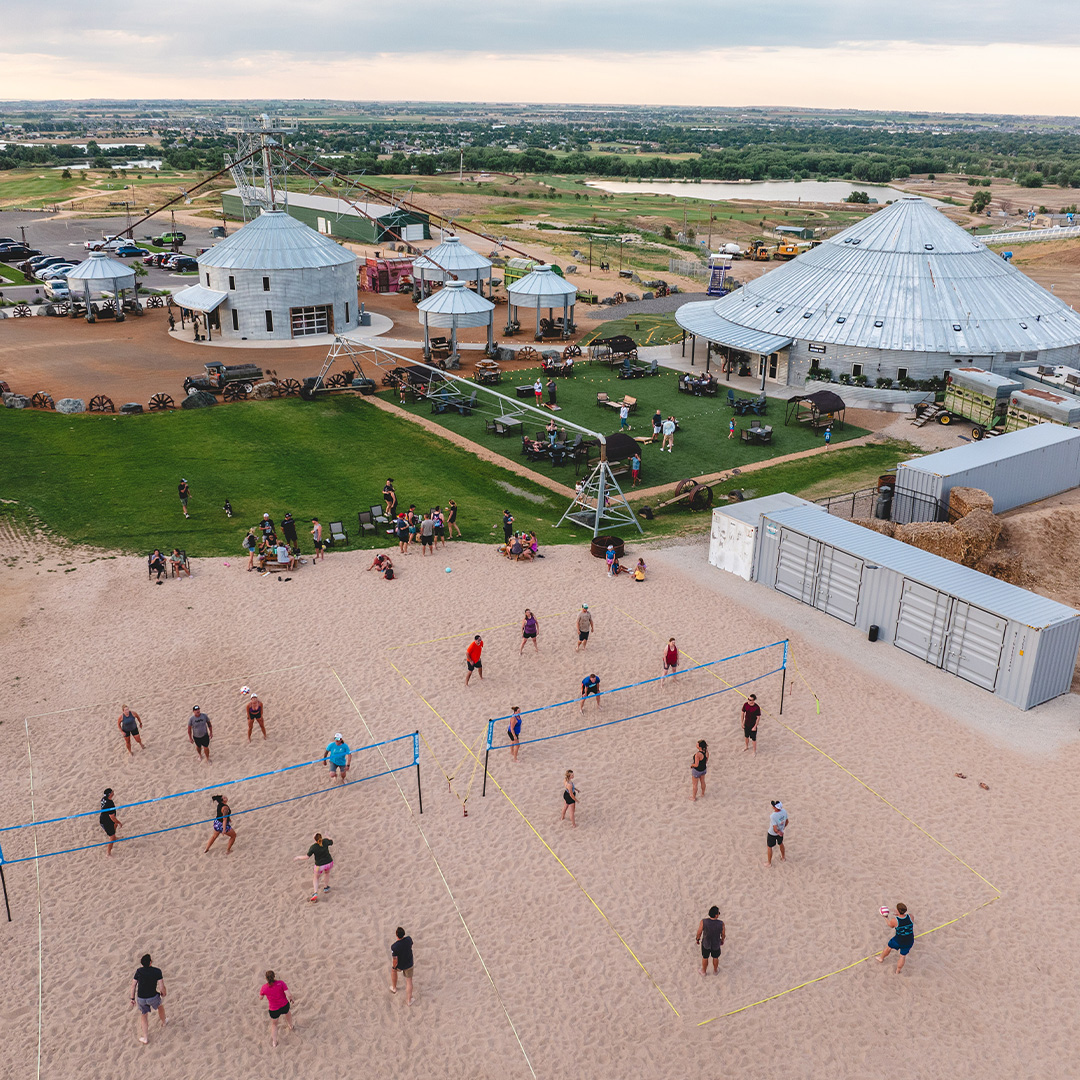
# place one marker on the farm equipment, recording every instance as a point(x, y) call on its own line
point(787, 249)
point(759, 252)
point(233, 381)
point(690, 493)
point(972, 394)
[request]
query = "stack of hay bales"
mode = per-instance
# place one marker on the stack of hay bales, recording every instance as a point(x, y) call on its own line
point(886, 528)
point(935, 536)
point(978, 532)
point(963, 500)
point(1005, 566)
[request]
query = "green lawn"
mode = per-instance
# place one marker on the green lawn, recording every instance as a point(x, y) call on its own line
point(643, 329)
point(110, 481)
point(701, 446)
point(11, 276)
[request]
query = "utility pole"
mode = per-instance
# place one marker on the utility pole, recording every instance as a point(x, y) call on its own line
point(590, 254)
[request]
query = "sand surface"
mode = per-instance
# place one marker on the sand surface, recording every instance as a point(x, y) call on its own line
point(540, 949)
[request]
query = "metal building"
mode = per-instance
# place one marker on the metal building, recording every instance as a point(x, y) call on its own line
point(733, 539)
point(1017, 644)
point(904, 293)
point(275, 279)
point(1014, 469)
point(449, 260)
point(378, 224)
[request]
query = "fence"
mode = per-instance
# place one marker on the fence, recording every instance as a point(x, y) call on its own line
point(860, 505)
point(689, 269)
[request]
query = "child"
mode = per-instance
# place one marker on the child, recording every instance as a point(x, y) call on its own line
point(610, 558)
point(635, 469)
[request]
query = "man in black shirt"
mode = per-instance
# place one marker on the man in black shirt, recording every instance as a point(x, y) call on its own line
point(182, 488)
point(390, 495)
point(288, 528)
point(401, 960)
point(147, 990)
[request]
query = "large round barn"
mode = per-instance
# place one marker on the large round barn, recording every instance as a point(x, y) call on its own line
point(904, 293)
point(275, 279)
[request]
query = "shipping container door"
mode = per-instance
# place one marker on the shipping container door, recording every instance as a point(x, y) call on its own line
point(923, 622)
point(973, 650)
point(413, 232)
point(796, 566)
point(839, 580)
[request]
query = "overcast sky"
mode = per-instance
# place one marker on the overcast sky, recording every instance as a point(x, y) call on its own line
point(956, 55)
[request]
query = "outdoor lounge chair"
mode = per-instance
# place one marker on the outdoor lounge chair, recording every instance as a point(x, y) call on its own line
point(731, 398)
point(338, 533)
point(602, 399)
point(160, 567)
point(466, 407)
point(181, 565)
point(365, 521)
point(378, 516)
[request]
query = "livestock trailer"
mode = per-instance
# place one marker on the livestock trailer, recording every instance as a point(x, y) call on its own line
point(733, 539)
point(1030, 406)
point(1014, 469)
point(1020, 646)
point(979, 396)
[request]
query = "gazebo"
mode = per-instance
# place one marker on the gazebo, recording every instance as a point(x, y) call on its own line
point(455, 305)
point(452, 259)
point(101, 273)
point(543, 288)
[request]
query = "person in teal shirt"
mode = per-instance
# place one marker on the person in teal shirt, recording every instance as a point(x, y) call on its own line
point(338, 756)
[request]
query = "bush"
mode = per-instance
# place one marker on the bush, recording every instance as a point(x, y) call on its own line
point(884, 383)
point(860, 380)
point(907, 383)
point(844, 378)
point(1030, 180)
point(821, 374)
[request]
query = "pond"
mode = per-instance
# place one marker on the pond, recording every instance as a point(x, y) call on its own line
point(833, 191)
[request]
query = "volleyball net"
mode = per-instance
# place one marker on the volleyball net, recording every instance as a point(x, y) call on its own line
point(736, 674)
point(80, 831)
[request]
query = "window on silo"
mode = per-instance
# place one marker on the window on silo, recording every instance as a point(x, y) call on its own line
point(269, 322)
point(232, 283)
point(266, 284)
point(346, 311)
point(235, 319)
point(207, 279)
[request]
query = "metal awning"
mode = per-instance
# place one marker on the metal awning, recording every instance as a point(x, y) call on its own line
point(199, 298)
point(702, 320)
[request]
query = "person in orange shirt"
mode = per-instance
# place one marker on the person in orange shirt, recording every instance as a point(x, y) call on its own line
point(472, 658)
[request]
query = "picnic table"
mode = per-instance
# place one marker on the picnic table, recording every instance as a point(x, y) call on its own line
point(508, 425)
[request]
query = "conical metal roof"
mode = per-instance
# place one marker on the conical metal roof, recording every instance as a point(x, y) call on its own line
point(542, 287)
point(453, 257)
point(101, 272)
point(276, 241)
point(904, 278)
point(455, 304)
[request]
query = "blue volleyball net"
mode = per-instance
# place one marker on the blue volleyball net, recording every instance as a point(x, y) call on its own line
point(81, 831)
point(737, 675)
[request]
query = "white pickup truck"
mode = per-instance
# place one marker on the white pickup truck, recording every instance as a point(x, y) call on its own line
point(107, 243)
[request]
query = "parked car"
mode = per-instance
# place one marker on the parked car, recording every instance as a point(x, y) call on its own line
point(184, 264)
point(169, 239)
point(8, 240)
point(59, 270)
point(130, 251)
point(41, 262)
point(168, 259)
point(57, 290)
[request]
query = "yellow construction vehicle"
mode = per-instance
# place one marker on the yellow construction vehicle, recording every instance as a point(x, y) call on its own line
point(759, 252)
point(787, 249)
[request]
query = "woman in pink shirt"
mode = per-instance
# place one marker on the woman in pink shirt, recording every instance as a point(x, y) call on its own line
point(279, 1002)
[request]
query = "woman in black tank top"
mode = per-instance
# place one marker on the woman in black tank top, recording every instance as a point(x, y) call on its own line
point(698, 768)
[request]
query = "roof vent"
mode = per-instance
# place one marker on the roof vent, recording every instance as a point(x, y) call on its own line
point(842, 319)
point(879, 322)
point(778, 310)
point(807, 314)
point(929, 247)
point(956, 327)
point(1023, 326)
point(854, 242)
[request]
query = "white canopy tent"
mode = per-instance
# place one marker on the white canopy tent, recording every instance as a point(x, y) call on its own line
point(456, 305)
point(543, 288)
point(452, 259)
point(100, 273)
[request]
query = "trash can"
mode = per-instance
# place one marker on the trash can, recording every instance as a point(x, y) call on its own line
point(883, 504)
point(873, 635)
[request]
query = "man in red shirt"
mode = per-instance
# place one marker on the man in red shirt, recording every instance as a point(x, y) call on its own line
point(472, 658)
point(751, 713)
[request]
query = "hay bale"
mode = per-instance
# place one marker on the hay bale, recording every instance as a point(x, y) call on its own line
point(886, 528)
point(978, 532)
point(937, 537)
point(962, 500)
point(1005, 566)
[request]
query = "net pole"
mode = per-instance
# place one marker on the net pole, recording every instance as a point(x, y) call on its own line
point(783, 676)
point(487, 754)
point(416, 762)
point(3, 881)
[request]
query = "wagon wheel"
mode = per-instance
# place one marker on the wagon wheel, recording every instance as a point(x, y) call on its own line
point(109, 306)
point(101, 403)
point(289, 388)
point(683, 486)
point(571, 351)
point(63, 308)
point(42, 400)
point(701, 497)
point(21, 311)
point(234, 391)
point(155, 301)
point(527, 352)
point(618, 298)
point(338, 379)
point(160, 402)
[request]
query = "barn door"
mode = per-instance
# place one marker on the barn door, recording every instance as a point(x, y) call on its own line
point(973, 650)
point(839, 581)
point(796, 566)
point(923, 622)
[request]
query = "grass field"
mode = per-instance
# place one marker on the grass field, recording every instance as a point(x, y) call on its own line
point(643, 329)
point(701, 447)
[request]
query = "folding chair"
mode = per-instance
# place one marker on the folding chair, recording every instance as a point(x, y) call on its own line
point(378, 516)
point(366, 522)
point(161, 568)
point(175, 568)
point(337, 532)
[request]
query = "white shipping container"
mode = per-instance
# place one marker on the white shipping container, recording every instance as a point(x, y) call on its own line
point(734, 531)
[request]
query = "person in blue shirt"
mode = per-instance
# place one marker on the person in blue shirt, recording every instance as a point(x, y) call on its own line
point(590, 685)
point(338, 756)
point(903, 938)
point(513, 731)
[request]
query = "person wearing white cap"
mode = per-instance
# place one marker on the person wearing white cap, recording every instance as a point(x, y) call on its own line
point(585, 626)
point(778, 822)
point(255, 714)
point(338, 756)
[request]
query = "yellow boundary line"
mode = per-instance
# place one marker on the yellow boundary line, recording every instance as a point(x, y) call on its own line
point(442, 876)
point(873, 791)
point(536, 832)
